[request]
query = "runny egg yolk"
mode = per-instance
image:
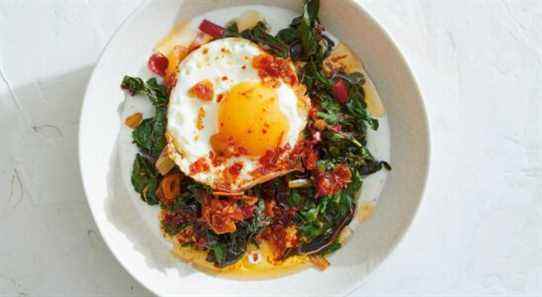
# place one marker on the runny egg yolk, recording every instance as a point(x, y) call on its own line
point(249, 120)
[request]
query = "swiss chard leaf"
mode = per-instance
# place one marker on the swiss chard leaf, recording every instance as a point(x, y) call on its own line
point(260, 35)
point(134, 85)
point(149, 135)
point(226, 249)
point(287, 35)
point(156, 92)
point(145, 179)
point(142, 135)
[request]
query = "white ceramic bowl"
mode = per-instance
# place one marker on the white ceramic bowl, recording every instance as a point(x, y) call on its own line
point(140, 251)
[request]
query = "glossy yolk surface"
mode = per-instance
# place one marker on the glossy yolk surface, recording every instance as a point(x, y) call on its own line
point(250, 118)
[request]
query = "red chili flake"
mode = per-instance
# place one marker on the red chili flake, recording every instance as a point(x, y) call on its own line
point(235, 168)
point(224, 78)
point(211, 28)
point(273, 67)
point(203, 90)
point(329, 183)
point(199, 166)
point(310, 159)
point(281, 238)
point(219, 97)
point(340, 91)
point(244, 67)
point(158, 64)
point(221, 215)
point(270, 158)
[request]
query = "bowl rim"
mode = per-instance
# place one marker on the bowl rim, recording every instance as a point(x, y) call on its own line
point(416, 88)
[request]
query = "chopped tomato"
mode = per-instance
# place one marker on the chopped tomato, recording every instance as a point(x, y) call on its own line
point(158, 63)
point(203, 90)
point(340, 91)
point(211, 29)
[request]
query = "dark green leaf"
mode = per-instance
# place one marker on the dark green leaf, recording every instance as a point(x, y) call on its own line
point(142, 135)
point(295, 199)
point(311, 10)
point(231, 30)
point(287, 35)
point(145, 179)
point(134, 85)
point(260, 35)
point(308, 40)
point(156, 92)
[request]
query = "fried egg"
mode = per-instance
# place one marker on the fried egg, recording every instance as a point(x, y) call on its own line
point(225, 118)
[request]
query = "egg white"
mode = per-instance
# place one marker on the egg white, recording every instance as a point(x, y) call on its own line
point(230, 58)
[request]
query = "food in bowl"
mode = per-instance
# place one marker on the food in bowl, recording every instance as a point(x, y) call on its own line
point(258, 146)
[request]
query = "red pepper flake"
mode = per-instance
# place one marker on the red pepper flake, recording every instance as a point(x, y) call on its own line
point(221, 215)
point(199, 166)
point(219, 97)
point(340, 91)
point(244, 67)
point(158, 64)
point(203, 90)
point(224, 78)
point(329, 183)
point(281, 238)
point(271, 157)
point(272, 67)
point(211, 28)
point(226, 147)
point(310, 159)
point(235, 169)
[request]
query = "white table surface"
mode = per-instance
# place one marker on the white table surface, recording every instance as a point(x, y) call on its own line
point(478, 232)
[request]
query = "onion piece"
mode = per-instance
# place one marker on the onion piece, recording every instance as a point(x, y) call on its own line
point(299, 183)
point(319, 262)
point(164, 163)
point(219, 193)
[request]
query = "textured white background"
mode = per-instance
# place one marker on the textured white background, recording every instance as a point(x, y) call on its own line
point(478, 232)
